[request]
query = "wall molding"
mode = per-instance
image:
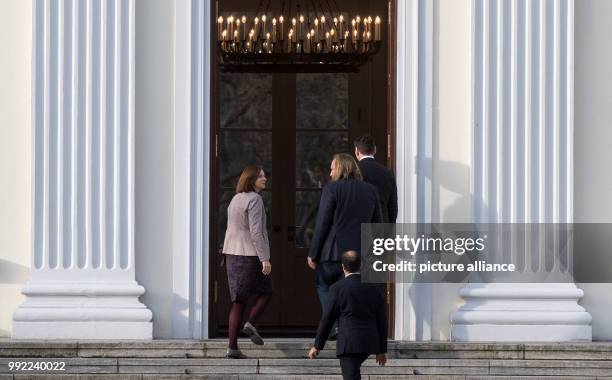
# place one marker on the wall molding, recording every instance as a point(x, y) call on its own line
point(191, 169)
point(414, 126)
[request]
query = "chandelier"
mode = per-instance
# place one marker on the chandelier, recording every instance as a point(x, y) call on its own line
point(303, 39)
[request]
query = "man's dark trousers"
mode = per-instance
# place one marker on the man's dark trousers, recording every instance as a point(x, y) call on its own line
point(351, 365)
point(328, 273)
point(362, 323)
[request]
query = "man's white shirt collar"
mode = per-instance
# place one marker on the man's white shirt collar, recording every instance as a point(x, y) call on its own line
point(348, 274)
point(363, 157)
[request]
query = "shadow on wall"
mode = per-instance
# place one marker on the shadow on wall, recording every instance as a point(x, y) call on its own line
point(451, 179)
point(12, 273)
point(452, 176)
point(455, 178)
point(180, 315)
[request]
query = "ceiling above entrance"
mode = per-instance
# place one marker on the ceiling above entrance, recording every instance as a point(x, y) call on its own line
point(313, 36)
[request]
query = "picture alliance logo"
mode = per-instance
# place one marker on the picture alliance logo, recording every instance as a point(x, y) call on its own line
point(424, 244)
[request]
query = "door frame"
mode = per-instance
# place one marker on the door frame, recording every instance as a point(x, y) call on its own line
point(195, 148)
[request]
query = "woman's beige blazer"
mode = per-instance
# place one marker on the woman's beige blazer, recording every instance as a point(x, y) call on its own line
point(246, 233)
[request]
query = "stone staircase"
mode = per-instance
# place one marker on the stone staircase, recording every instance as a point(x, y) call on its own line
point(286, 359)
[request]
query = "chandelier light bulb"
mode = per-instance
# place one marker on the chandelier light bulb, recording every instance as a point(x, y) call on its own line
point(274, 21)
point(341, 18)
point(322, 19)
point(263, 18)
point(244, 19)
point(220, 28)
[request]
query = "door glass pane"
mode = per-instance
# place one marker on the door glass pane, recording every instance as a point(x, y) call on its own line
point(321, 110)
point(246, 100)
point(239, 149)
point(314, 151)
point(306, 205)
point(322, 101)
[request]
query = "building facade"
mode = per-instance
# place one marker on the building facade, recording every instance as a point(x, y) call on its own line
point(501, 115)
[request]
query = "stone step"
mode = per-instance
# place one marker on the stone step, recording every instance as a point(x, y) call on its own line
point(280, 377)
point(297, 348)
point(394, 367)
point(286, 359)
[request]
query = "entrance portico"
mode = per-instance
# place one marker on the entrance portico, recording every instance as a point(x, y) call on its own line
point(110, 188)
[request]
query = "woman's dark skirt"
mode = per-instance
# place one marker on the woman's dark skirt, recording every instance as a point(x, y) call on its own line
point(245, 278)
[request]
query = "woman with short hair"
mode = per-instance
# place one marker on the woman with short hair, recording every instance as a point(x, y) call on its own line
point(247, 257)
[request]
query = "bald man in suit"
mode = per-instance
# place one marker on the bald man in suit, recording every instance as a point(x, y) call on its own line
point(362, 323)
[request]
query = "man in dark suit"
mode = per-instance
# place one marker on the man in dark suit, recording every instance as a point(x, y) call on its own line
point(362, 323)
point(346, 202)
point(378, 175)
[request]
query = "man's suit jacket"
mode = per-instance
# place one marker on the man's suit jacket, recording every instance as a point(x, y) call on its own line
point(344, 205)
point(382, 178)
point(360, 311)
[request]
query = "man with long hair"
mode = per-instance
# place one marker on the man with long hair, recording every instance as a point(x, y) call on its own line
point(346, 202)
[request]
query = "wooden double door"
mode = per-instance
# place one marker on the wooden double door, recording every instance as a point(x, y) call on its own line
point(291, 124)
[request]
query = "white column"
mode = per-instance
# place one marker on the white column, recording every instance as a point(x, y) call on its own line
point(522, 161)
point(82, 279)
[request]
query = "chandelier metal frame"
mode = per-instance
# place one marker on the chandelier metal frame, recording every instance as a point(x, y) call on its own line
point(310, 40)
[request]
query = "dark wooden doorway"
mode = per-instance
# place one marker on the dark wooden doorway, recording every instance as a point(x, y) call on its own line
point(291, 124)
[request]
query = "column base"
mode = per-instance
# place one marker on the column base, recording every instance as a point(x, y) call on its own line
point(75, 310)
point(83, 330)
point(501, 312)
point(521, 333)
